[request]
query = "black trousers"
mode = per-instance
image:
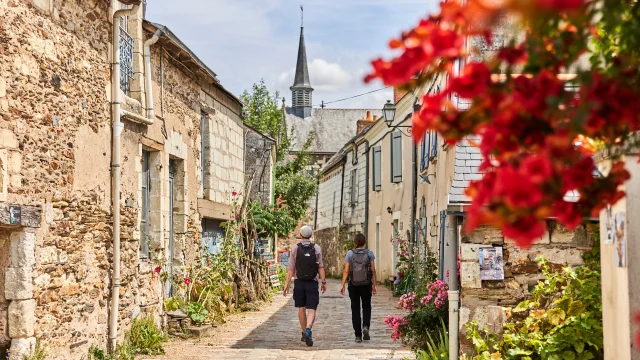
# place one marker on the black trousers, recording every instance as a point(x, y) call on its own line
point(357, 294)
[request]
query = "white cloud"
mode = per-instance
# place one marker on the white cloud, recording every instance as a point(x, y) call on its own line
point(325, 77)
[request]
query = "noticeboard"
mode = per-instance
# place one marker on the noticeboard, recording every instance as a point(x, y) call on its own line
point(274, 280)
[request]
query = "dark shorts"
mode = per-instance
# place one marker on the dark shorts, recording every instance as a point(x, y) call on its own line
point(306, 294)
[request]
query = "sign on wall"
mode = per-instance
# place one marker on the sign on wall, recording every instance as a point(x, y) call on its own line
point(620, 236)
point(491, 263)
point(15, 215)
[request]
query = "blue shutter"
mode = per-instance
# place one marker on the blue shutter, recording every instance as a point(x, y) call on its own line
point(434, 144)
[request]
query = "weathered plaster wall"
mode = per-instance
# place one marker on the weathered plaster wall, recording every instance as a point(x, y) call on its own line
point(329, 193)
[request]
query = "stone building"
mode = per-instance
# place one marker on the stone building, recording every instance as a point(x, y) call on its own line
point(260, 152)
point(181, 155)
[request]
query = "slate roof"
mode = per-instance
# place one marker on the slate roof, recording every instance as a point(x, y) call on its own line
point(302, 72)
point(468, 159)
point(333, 127)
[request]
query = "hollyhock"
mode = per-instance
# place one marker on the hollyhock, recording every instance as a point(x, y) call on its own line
point(157, 269)
point(187, 281)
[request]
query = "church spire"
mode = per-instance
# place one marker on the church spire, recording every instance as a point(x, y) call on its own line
point(301, 89)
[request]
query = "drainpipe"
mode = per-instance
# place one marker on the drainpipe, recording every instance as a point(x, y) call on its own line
point(414, 198)
point(443, 216)
point(454, 294)
point(344, 162)
point(115, 173)
point(147, 73)
point(315, 212)
point(366, 190)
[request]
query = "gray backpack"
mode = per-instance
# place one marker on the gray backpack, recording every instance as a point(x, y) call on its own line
point(360, 268)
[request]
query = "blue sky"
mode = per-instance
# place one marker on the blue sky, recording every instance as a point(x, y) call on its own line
point(246, 40)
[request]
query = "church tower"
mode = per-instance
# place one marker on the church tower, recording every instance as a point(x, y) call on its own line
point(301, 90)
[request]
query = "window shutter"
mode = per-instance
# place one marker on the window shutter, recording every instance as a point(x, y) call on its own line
point(377, 168)
point(434, 144)
point(396, 157)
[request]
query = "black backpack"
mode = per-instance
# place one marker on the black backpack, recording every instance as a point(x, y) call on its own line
point(360, 268)
point(306, 264)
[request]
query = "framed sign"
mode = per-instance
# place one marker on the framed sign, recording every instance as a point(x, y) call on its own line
point(274, 280)
point(272, 270)
point(491, 263)
point(283, 257)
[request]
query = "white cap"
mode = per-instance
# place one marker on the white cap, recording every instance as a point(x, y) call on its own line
point(306, 231)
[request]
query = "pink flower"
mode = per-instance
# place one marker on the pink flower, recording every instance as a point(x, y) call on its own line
point(157, 269)
point(187, 281)
point(407, 301)
point(396, 323)
point(233, 217)
point(438, 292)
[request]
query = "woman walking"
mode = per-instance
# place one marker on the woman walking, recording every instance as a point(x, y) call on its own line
point(360, 270)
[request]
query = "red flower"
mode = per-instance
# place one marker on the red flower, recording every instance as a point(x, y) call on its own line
point(561, 4)
point(187, 281)
point(233, 193)
point(567, 214)
point(512, 55)
point(518, 191)
point(474, 80)
point(157, 269)
point(268, 263)
point(525, 231)
point(537, 168)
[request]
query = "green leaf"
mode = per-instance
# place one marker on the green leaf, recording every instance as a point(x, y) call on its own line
point(556, 316)
point(523, 306)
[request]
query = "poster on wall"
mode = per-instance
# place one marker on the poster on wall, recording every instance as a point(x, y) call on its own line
point(620, 236)
point(609, 225)
point(491, 263)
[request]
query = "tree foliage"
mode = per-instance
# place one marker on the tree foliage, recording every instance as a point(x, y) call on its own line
point(264, 114)
point(538, 135)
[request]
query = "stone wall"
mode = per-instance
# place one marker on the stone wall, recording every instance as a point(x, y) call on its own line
point(55, 152)
point(259, 151)
point(521, 273)
point(333, 252)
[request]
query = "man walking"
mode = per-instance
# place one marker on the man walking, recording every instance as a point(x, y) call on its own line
point(305, 264)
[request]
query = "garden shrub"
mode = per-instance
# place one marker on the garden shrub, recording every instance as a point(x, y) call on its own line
point(144, 337)
point(562, 320)
point(427, 316)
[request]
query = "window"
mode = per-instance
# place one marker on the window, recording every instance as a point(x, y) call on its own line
point(429, 149)
point(377, 168)
point(396, 157)
point(354, 187)
point(144, 220)
point(126, 58)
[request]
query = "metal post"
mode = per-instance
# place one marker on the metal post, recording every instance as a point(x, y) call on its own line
point(454, 294)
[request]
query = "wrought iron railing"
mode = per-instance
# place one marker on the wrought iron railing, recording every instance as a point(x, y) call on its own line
point(126, 60)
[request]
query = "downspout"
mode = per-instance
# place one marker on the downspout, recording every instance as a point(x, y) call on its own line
point(344, 162)
point(414, 198)
point(315, 212)
point(443, 216)
point(147, 73)
point(454, 294)
point(115, 173)
point(366, 190)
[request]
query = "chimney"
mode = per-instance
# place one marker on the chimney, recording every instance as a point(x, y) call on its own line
point(366, 122)
point(398, 94)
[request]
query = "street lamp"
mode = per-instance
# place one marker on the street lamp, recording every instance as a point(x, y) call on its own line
point(389, 111)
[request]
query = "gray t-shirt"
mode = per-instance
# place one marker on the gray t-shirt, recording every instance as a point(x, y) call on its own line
point(350, 255)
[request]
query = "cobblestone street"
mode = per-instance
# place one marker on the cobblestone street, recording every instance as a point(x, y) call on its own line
point(274, 333)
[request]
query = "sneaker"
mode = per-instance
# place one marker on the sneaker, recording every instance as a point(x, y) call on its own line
point(365, 333)
point(358, 339)
point(306, 335)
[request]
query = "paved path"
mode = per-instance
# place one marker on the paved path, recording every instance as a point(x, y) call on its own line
point(274, 333)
